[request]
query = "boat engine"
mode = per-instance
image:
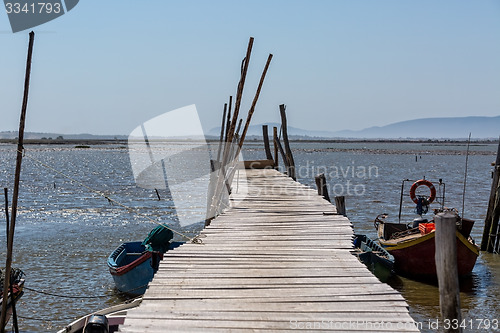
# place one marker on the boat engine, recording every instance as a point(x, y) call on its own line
point(97, 324)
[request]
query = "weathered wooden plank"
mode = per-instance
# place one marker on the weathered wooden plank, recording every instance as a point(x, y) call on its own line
point(271, 261)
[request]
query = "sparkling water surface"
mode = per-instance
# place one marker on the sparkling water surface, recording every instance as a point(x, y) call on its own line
point(65, 232)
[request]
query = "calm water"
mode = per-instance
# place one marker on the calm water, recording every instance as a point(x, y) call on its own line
point(65, 233)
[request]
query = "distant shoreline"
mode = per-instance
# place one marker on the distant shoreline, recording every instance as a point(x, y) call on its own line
point(431, 142)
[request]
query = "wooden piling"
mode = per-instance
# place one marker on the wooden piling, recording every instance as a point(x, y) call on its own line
point(486, 244)
point(12, 227)
point(322, 186)
point(288, 151)
point(284, 157)
point(493, 244)
point(340, 205)
point(7, 220)
point(275, 137)
point(446, 267)
point(265, 136)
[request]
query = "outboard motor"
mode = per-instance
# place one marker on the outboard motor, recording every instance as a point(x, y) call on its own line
point(419, 220)
point(97, 324)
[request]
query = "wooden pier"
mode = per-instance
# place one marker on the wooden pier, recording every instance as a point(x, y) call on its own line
point(278, 260)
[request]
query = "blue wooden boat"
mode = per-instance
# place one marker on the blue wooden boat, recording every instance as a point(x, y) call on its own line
point(375, 257)
point(133, 264)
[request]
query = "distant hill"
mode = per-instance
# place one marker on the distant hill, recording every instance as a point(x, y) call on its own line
point(432, 128)
point(424, 128)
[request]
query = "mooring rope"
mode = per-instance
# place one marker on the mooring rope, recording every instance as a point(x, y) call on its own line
point(194, 240)
point(63, 296)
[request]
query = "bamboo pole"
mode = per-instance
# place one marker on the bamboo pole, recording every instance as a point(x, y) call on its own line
point(227, 156)
point(446, 267)
point(10, 240)
point(239, 92)
point(265, 136)
point(255, 99)
point(228, 121)
point(221, 132)
point(236, 136)
point(491, 204)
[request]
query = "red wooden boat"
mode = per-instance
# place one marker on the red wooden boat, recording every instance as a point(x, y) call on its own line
point(413, 244)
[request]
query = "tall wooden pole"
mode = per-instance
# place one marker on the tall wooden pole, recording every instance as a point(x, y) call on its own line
point(288, 151)
point(239, 92)
point(255, 99)
point(265, 137)
point(228, 121)
point(491, 204)
point(10, 240)
point(222, 130)
point(275, 138)
point(446, 267)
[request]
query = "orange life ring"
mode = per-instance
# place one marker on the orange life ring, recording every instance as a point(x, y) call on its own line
point(418, 183)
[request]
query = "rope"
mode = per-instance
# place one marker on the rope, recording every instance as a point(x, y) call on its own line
point(194, 240)
point(45, 319)
point(63, 296)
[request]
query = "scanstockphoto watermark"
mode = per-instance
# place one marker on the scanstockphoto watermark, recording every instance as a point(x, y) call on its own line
point(353, 325)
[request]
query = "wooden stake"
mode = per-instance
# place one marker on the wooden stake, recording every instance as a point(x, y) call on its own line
point(267, 148)
point(283, 155)
point(10, 240)
point(340, 205)
point(6, 195)
point(485, 242)
point(275, 138)
point(322, 186)
point(492, 239)
point(446, 267)
point(291, 171)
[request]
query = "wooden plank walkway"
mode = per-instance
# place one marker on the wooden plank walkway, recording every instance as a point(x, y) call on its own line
point(273, 262)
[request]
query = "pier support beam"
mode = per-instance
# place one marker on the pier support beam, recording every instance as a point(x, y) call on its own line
point(446, 267)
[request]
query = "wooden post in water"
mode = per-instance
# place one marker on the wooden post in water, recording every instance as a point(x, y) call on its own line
point(275, 138)
point(322, 186)
point(265, 136)
point(486, 244)
point(446, 267)
point(288, 151)
point(340, 205)
point(493, 239)
point(283, 155)
point(12, 227)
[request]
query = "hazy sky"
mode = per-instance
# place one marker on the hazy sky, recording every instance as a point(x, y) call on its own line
point(109, 65)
